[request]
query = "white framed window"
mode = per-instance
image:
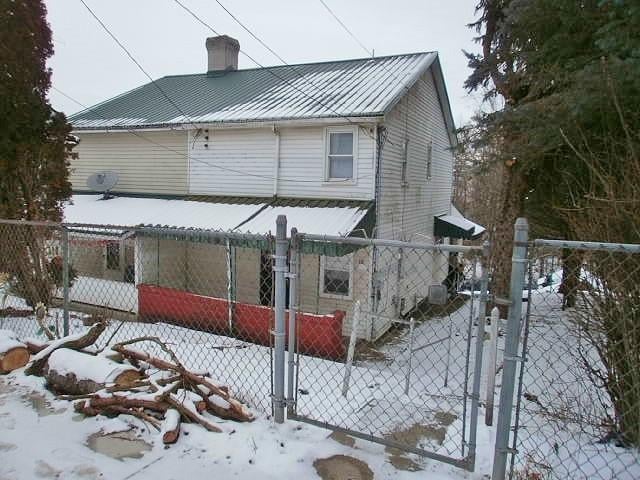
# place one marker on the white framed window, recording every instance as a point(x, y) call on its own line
point(340, 154)
point(336, 277)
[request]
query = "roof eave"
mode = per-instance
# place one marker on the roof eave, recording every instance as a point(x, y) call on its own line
point(370, 118)
point(441, 90)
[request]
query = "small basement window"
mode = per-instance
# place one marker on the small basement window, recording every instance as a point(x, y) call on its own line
point(336, 275)
point(340, 153)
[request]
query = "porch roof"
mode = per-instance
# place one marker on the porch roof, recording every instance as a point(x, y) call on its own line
point(329, 217)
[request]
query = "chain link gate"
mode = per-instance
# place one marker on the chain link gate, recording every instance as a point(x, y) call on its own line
point(409, 375)
point(578, 393)
point(571, 362)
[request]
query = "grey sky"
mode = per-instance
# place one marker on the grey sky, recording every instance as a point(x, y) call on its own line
point(90, 67)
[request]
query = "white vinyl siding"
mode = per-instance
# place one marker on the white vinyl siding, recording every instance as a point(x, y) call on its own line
point(155, 163)
point(242, 162)
point(415, 185)
point(303, 165)
point(406, 210)
point(233, 162)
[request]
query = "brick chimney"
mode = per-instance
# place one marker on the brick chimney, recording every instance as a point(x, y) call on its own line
point(222, 53)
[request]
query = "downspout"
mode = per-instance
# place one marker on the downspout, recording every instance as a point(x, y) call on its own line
point(276, 162)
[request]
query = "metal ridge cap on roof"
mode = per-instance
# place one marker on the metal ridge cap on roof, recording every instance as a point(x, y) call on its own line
point(303, 64)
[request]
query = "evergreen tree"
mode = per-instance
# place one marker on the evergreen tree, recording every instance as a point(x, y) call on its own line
point(35, 148)
point(34, 139)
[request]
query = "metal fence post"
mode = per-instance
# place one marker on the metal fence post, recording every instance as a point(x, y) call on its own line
point(477, 367)
point(293, 308)
point(65, 281)
point(512, 337)
point(280, 268)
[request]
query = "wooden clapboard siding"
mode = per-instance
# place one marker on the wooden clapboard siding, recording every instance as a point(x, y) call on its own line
point(157, 165)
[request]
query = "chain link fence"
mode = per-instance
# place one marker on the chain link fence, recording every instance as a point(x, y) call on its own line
point(578, 405)
point(207, 295)
point(405, 376)
point(384, 339)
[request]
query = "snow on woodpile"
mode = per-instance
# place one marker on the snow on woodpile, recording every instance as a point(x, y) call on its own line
point(86, 367)
point(9, 341)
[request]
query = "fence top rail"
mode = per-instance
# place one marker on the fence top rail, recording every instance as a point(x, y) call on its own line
point(379, 242)
point(577, 245)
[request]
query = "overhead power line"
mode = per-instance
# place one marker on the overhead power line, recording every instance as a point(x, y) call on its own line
point(133, 59)
point(370, 53)
point(192, 159)
point(270, 69)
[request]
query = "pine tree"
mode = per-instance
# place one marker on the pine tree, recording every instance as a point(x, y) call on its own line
point(34, 139)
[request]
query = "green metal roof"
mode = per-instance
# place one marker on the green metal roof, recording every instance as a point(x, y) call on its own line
point(354, 88)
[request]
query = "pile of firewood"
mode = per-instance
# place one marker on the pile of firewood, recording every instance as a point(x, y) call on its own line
point(124, 380)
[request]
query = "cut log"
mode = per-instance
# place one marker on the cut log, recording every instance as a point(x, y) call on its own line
point(171, 427)
point(75, 373)
point(75, 342)
point(188, 410)
point(99, 405)
point(224, 406)
point(13, 353)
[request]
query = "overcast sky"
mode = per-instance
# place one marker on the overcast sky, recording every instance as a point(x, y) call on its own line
point(166, 40)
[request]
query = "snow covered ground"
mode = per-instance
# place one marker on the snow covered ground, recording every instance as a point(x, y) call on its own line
point(558, 436)
point(32, 419)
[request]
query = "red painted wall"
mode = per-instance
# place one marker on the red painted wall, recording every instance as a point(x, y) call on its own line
point(319, 335)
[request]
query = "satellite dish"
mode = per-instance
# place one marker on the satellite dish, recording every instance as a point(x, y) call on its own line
point(102, 182)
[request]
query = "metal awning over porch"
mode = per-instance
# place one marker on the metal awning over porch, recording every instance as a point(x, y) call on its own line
point(455, 225)
point(227, 214)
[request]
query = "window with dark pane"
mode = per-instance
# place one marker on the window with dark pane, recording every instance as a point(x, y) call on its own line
point(340, 154)
point(113, 255)
point(337, 275)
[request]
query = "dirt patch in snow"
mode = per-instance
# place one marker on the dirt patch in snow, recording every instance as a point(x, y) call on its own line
point(412, 436)
point(118, 445)
point(41, 405)
point(343, 439)
point(342, 467)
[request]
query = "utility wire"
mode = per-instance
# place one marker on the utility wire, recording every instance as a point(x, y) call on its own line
point(370, 53)
point(192, 159)
point(270, 69)
point(133, 59)
point(248, 30)
point(68, 97)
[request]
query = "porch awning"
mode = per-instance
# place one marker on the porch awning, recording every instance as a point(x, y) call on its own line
point(455, 225)
point(322, 217)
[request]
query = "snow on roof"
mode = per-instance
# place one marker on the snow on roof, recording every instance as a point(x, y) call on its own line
point(359, 87)
point(456, 218)
point(334, 221)
point(257, 218)
point(129, 211)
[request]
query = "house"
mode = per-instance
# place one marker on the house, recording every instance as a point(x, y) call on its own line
point(356, 147)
